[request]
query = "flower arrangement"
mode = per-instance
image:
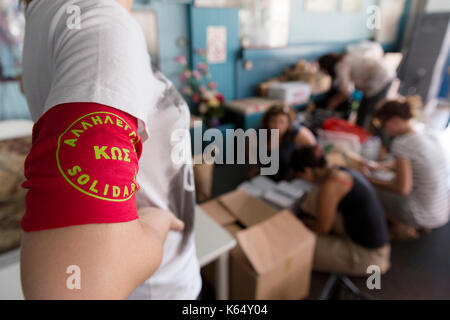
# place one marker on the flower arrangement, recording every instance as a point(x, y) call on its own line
point(198, 88)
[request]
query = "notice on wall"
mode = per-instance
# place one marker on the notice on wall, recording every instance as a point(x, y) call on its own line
point(216, 44)
point(351, 5)
point(320, 5)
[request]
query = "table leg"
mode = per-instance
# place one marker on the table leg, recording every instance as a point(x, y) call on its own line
point(222, 277)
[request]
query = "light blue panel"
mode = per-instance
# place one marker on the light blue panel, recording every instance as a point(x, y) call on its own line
point(268, 63)
point(172, 19)
point(172, 26)
point(444, 94)
point(12, 103)
point(335, 26)
point(200, 19)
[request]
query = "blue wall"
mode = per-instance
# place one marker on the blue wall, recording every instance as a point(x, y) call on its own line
point(336, 26)
point(311, 34)
point(172, 29)
point(200, 19)
point(173, 24)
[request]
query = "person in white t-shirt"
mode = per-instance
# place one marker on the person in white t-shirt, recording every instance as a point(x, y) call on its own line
point(355, 70)
point(121, 178)
point(418, 197)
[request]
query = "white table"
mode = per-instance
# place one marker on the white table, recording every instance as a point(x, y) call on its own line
point(213, 243)
point(10, 286)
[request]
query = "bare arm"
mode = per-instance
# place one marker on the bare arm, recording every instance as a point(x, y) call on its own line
point(305, 137)
point(337, 99)
point(330, 195)
point(403, 182)
point(113, 258)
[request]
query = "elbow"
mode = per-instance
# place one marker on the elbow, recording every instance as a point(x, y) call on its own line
point(404, 190)
point(322, 229)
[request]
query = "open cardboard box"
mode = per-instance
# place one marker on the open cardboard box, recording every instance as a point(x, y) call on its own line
point(273, 259)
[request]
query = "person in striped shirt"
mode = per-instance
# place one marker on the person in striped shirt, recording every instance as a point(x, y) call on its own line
point(418, 198)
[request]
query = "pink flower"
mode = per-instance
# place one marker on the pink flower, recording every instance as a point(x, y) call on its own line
point(186, 91)
point(197, 75)
point(201, 51)
point(196, 98)
point(220, 97)
point(185, 75)
point(203, 67)
point(181, 60)
point(212, 85)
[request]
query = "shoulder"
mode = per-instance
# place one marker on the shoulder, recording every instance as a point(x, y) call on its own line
point(338, 184)
point(404, 145)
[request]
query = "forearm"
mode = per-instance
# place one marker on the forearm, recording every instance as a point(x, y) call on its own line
point(386, 185)
point(113, 260)
point(336, 100)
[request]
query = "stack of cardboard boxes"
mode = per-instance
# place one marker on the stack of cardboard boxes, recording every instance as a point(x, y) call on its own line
point(273, 259)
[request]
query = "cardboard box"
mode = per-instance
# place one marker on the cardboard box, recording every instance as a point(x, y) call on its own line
point(291, 93)
point(252, 105)
point(273, 259)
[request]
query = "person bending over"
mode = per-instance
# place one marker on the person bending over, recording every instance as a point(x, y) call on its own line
point(346, 215)
point(418, 197)
point(351, 71)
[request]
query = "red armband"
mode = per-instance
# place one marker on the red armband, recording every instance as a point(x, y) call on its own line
point(82, 167)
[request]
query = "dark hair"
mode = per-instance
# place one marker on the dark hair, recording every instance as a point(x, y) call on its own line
point(307, 157)
point(394, 108)
point(329, 61)
point(276, 110)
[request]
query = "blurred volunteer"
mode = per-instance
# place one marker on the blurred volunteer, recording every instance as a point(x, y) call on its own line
point(105, 180)
point(418, 197)
point(366, 73)
point(349, 242)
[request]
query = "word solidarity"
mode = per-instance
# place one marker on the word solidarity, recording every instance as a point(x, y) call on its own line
point(84, 156)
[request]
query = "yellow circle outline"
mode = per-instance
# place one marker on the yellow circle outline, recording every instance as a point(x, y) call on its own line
point(70, 182)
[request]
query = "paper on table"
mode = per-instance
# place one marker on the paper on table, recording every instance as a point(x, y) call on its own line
point(278, 199)
point(289, 189)
point(263, 183)
point(252, 189)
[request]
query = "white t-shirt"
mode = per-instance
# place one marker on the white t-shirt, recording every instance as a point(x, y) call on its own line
point(106, 61)
point(366, 73)
point(429, 200)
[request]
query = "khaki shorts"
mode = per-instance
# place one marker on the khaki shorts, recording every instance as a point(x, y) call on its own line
point(337, 253)
point(396, 206)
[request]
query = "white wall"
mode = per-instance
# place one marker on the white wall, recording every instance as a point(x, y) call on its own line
point(437, 5)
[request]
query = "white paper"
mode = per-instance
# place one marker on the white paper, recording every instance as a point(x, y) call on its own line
point(264, 183)
point(216, 44)
point(320, 5)
point(291, 190)
point(351, 5)
point(278, 199)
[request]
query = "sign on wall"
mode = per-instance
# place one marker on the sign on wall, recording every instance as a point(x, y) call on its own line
point(351, 5)
point(320, 5)
point(216, 44)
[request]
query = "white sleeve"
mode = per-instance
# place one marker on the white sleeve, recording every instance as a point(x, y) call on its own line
point(343, 75)
point(400, 149)
point(104, 61)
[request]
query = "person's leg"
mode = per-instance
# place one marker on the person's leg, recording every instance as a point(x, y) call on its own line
point(336, 254)
point(402, 223)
